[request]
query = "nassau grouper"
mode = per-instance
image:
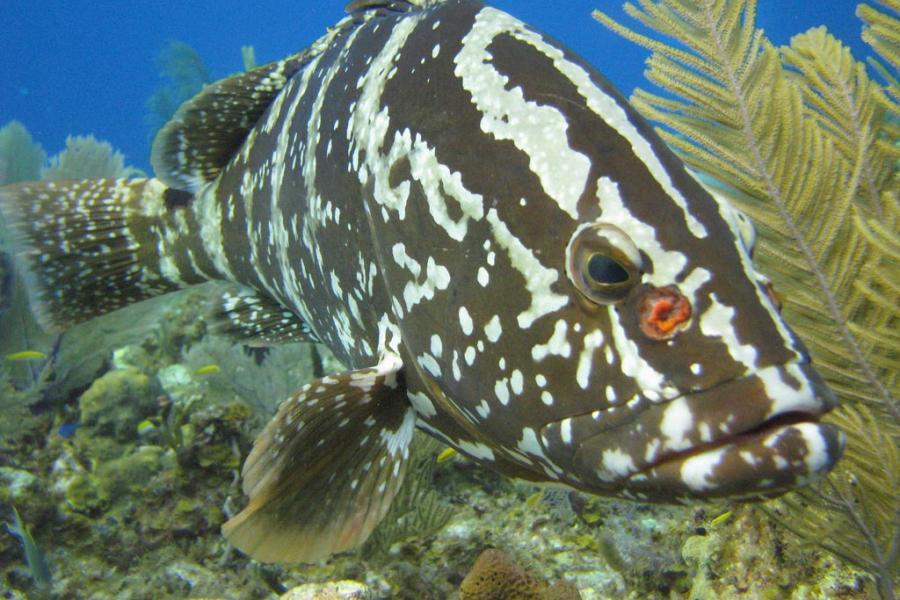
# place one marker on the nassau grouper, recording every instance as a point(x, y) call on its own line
point(498, 248)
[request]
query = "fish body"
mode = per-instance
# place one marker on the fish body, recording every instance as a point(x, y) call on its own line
point(491, 240)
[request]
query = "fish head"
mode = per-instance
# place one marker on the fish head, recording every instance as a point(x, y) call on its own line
point(594, 315)
point(682, 377)
point(705, 390)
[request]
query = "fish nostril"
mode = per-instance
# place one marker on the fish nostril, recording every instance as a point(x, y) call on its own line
point(663, 312)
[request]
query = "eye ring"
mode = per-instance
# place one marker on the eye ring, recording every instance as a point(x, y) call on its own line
point(603, 263)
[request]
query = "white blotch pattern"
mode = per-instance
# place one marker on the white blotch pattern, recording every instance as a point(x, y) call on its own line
point(697, 470)
point(592, 341)
point(422, 404)
point(557, 345)
point(476, 450)
point(541, 132)
point(677, 423)
point(493, 330)
point(718, 321)
point(614, 115)
point(616, 464)
point(484, 277)
point(538, 278)
point(465, 322)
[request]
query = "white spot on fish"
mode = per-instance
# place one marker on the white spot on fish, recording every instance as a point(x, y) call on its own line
point(483, 409)
point(437, 278)
point(677, 422)
point(470, 355)
point(529, 444)
point(718, 321)
point(476, 450)
point(592, 341)
point(616, 464)
point(493, 330)
point(697, 470)
point(422, 404)
point(483, 277)
point(501, 390)
point(610, 394)
point(436, 346)
point(465, 322)
point(517, 382)
point(558, 345)
point(565, 431)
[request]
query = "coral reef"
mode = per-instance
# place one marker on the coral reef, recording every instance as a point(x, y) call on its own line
point(21, 157)
point(86, 157)
point(184, 75)
point(340, 590)
point(262, 380)
point(116, 402)
point(495, 576)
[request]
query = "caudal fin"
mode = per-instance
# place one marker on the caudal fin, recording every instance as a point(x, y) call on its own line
point(90, 247)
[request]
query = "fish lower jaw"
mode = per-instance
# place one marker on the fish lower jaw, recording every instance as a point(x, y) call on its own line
point(769, 425)
point(783, 453)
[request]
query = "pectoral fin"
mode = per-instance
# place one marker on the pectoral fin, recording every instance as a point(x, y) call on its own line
point(324, 471)
point(254, 319)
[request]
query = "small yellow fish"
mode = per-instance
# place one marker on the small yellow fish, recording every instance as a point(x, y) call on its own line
point(208, 370)
point(26, 355)
point(590, 518)
point(146, 426)
point(446, 454)
point(534, 500)
point(721, 518)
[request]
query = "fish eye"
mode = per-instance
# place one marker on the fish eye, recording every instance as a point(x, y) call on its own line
point(606, 270)
point(603, 263)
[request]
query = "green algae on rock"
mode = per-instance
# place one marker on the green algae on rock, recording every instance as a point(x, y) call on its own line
point(116, 402)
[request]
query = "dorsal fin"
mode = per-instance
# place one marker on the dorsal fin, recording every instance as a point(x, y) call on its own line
point(394, 5)
point(209, 129)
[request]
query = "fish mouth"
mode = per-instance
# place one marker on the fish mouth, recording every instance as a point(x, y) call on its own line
point(755, 436)
point(781, 453)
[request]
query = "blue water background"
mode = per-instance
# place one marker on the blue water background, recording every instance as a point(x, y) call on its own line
point(83, 67)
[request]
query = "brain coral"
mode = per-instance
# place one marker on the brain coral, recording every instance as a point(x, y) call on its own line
point(495, 576)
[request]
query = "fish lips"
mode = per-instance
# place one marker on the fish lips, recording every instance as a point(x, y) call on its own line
point(752, 437)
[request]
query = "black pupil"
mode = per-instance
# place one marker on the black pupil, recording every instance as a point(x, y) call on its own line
point(606, 270)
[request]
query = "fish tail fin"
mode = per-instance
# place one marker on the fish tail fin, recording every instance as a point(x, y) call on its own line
point(89, 247)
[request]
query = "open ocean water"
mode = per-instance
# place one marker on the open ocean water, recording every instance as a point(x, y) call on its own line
point(89, 67)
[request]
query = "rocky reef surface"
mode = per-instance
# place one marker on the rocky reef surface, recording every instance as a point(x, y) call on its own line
point(123, 481)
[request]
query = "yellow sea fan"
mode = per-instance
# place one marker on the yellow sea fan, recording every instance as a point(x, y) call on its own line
point(742, 117)
point(806, 144)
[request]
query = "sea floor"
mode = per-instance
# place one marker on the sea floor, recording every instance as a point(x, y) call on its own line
point(123, 477)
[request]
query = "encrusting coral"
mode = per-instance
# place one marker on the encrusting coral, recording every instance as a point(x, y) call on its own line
point(495, 576)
